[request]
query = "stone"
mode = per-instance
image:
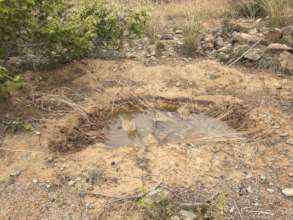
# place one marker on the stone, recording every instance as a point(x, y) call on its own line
point(278, 47)
point(245, 38)
point(35, 181)
point(286, 62)
point(179, 32)
point(82, 194)
point(159, 195)
point(187, 215)
point(273, 35)
point(167, 37)
point(290, 141)
point(16, 173)
point(288, 192)
point(270, 190)
point(254, 54)
point(290, 174)
point(71, 183)
point(285, 134)
point(249, 189)
point(287, 31)
point(220, 42)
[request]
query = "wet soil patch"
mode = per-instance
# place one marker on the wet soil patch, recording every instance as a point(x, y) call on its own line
point(151, 119)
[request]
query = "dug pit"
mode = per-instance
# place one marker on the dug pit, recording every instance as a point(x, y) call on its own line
point(143, 121)
point(163, 127)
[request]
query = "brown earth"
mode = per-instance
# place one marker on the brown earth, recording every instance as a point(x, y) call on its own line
point(52, 168)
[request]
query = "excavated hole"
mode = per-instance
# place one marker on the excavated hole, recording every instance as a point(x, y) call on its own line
point(148, 120)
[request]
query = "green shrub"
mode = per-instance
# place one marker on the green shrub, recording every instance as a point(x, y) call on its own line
point(51, 29)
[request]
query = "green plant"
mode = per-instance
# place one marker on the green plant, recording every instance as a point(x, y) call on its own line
point(215, 209)
point(51, 29)
point(8, 83)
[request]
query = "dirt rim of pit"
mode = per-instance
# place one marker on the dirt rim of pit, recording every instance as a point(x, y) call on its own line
point(77, 136)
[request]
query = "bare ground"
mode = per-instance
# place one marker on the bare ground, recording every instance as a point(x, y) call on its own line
point(39, 180)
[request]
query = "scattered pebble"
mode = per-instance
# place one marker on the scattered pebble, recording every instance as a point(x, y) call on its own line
point(249, 189)
point(35, 181)
point(82, 194)
point(290, 174)
point(270, 190)
point(71, 183)
point(288, 192)
point(285, 134)
point(290, 141)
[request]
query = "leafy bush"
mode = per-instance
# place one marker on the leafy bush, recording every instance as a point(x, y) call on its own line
point(52, 29)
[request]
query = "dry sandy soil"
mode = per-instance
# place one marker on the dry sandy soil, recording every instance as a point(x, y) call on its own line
point(53, 167)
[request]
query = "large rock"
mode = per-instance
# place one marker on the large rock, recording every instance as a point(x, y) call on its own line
point(254, 54)
point(286, 62)
point(287, 31)
point(273, 35)
point(279, 47)
point(245, 38)
point(288, 192)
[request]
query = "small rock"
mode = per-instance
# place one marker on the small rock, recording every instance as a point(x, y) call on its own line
point(254, 54)
point(288, 192)
point(15, 173)
point(232, 209)
point(287, 31)
point(82, 194)
point(244, 38)
point(159, 195)
point(71, 183)
point(285, 134)
point(187, 215)
point(290, 141)
point(278, 86)
point(167, 37)
point(50, 159)
point(220, 42)
point(178, 84)
point(290, 174)
point(270, 190)
point(273, 35)
point(278, 47)
point(175, 218)
point(89, 206)
point(35, 181)
point(249, 189)
point(286, 62)
point(179, 32)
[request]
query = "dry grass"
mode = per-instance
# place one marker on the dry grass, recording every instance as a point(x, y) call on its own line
point(277, 11)
point(184, 15)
